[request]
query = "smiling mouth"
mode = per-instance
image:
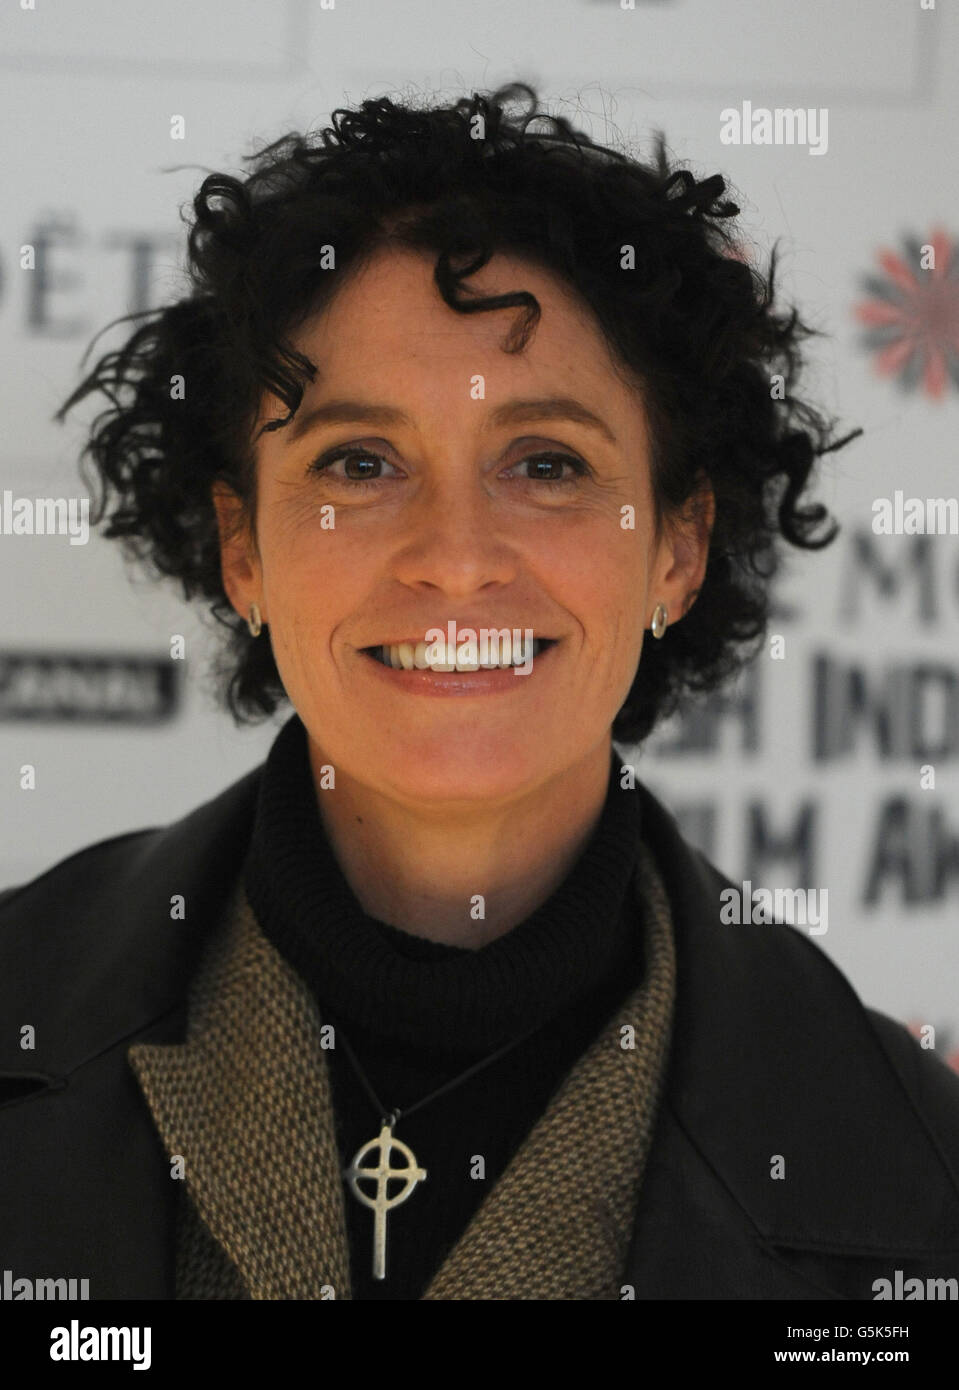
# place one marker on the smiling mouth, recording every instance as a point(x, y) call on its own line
point(412, 656)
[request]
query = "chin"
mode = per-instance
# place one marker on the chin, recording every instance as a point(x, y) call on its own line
point(472, 769)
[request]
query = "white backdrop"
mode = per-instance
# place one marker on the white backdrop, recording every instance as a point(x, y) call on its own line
point(810, 772)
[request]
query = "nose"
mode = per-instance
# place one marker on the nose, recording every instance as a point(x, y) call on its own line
point(456, 540)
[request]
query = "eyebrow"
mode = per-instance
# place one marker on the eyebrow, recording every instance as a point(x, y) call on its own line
point(519, 411)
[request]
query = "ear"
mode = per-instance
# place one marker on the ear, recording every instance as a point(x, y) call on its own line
point(678, 576)
point(239, 562)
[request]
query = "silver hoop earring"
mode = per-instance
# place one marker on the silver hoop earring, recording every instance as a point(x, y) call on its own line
point(253, 621)
point(660, 617)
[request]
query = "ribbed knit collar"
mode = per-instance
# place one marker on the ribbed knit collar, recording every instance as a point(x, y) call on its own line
point(409, 988)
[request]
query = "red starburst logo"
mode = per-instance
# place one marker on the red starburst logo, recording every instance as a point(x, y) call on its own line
point(912, 317)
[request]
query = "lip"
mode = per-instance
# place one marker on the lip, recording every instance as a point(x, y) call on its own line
point(456, 683)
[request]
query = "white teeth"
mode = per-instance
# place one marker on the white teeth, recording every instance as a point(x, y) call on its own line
point(408, 656)
point(463, 657)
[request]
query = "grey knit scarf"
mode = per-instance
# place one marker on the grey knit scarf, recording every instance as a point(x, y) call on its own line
point(244, 1104)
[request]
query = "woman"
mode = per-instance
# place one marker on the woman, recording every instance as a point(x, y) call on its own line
point(456, 413)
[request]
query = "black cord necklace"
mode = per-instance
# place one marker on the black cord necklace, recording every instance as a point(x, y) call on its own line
point(410, 1173)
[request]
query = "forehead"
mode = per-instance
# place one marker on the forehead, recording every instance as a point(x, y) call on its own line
point(389, 312)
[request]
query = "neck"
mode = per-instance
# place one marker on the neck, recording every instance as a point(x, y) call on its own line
point(421, 868)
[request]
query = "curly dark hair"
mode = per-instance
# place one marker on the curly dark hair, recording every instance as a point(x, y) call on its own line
point(693, 323)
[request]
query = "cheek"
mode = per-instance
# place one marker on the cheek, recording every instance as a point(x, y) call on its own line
point(313, 585)
point(303, 575)
point(601, 578)
point(292, 642)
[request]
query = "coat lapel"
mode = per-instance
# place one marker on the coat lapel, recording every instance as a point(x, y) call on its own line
point(245, 1103)
point(558, 1223)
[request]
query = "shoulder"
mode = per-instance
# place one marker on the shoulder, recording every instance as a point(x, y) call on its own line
point(931, 1086)
point(92, 949)
point(136, 860)
point(86, 865)
point(773, 1052)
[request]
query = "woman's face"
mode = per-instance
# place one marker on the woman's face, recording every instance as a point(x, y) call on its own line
point(446, 516)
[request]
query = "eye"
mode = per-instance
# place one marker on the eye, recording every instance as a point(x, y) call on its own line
point(547, 465)
point(363, 467)
point(364, 461)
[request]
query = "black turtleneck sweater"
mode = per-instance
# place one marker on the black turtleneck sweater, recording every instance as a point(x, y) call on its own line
point(417, 1013)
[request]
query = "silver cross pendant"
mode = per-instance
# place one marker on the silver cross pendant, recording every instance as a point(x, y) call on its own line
point(380, 1172)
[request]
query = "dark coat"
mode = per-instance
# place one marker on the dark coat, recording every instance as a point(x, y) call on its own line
point(772, 1053)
